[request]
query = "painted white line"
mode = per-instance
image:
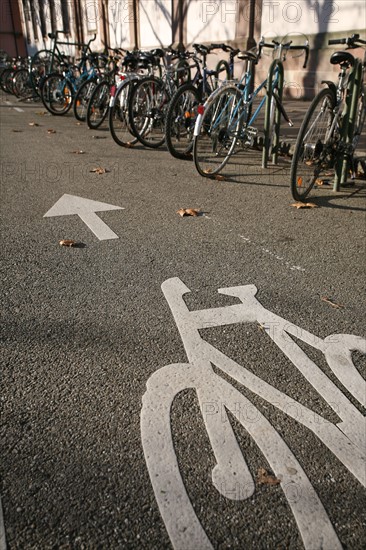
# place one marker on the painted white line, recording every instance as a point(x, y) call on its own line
point(18, 109)
point(69, 205)
point(275, 256)
point(2, 529)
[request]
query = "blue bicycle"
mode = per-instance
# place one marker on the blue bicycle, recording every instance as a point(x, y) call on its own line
point(230, 116)
point(58, 91)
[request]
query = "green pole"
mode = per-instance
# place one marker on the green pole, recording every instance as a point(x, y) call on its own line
point(276, 65)
point(348, 124)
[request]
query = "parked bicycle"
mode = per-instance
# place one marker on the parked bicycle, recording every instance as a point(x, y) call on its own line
point(46, 61)
point(150, 98)
point(136, 65)
point(329, 135)
point(59, 90)
point(182, 112)
point(226, 118)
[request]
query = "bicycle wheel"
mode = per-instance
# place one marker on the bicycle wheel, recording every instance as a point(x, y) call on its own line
point(219, 131)
point(56, 94)
point(316, 146)
point(82, 97)
point(180, 121)
point(4, 78)
point(21, 84)
point(7, 81)
point(146, 111)
point(119, 124)
point(98, 105)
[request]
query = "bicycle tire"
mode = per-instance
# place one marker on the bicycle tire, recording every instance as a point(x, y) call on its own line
point(57, 94)
point(146, 111)
point(21, 83)
point(180, 121)
point(7, 81)
point(98, 105)
point(219, 131)
point(119, 124)
point(82, 97)
point(315, 150)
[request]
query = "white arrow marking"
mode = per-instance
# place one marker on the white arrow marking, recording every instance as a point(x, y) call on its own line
point(69, 205)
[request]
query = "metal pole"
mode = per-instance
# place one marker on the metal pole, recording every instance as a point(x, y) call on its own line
point(180, 11)
point(135, 26)
point(251, 42)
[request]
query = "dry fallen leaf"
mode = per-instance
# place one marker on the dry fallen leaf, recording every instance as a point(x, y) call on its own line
point(41, 113)
point(189, 212)
point(17, 131)
point(265, 477)
point(78, 124)
point(67, 242)
point(304, 205)
point(219, 177)
point(331, 303)
point(50, 131)
point(99, 137)
point(33, 124)
point(99, 170)
point(320, 182)
point(208, 171)
point(309, 162)
point(129, 144)
point(78, 152)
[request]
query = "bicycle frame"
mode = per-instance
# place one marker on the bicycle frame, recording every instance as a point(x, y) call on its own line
point(84, 47)
point(245, 101)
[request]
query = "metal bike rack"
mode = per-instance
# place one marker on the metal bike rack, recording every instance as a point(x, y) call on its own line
point(348, 123)
point(276, 65)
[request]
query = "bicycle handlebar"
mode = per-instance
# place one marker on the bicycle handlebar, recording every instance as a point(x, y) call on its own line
point(351, 41)
point(287, 46)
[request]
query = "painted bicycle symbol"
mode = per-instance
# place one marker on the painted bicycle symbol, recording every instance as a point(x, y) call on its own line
point(345, 439)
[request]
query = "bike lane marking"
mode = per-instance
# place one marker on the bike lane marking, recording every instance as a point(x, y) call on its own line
point(86, 209)
point(273, 255)
point(344, 439)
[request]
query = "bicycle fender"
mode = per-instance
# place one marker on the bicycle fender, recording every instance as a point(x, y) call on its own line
point(197, 127)
point(120, 85)
point(331, 86)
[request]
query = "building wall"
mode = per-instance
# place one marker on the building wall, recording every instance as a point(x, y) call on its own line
point(11, 32)
point(317, 22)
point(152, 23)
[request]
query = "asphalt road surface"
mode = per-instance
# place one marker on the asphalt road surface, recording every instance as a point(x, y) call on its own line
point(140, 407)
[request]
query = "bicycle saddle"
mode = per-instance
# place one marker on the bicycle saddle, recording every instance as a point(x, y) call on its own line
point(339, 58)
point(158, 52)
point(248, 55)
